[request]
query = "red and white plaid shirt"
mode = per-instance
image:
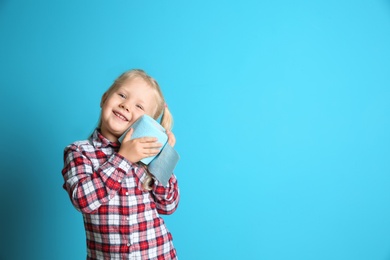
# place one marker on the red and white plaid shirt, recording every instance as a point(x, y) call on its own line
point(121, 219)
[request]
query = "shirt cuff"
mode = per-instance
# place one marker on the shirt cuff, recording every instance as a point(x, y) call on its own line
point(121, 163)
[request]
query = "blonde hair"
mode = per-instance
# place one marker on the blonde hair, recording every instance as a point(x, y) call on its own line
point(161, 110)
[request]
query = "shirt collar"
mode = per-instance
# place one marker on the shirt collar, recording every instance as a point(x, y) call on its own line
point(99, 141)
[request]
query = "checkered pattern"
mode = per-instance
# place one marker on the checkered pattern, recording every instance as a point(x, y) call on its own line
point(121, 219)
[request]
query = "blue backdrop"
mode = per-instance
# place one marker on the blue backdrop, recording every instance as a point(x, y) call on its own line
point(282, 119)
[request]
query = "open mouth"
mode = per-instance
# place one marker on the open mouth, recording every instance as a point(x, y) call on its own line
point(119, 115)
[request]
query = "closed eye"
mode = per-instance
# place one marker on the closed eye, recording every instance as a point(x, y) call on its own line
point(122, 95)
point(140, 107)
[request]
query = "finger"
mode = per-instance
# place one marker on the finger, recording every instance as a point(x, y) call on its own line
point(128, 135)
point(152, 145)
point(171, 139)
point(172, 142)
point(148, 139)
point(151, 152)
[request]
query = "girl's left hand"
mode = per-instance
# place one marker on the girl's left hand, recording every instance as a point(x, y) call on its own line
point(171, 138)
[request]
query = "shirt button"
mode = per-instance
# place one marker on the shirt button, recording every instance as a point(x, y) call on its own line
point(127, 193)
point(119, 181)
point(128, 244)
point(127, 218)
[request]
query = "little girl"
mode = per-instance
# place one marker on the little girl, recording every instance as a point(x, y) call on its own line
point(119, 199)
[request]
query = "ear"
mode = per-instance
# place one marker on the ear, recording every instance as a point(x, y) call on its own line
point(104, 98)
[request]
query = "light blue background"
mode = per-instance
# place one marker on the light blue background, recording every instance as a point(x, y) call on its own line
point(282, 112)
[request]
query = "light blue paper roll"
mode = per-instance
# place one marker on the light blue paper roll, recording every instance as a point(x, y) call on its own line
point(147, 126)
point(163, 164)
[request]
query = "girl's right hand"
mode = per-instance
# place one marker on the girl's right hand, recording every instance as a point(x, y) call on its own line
point(137, 149)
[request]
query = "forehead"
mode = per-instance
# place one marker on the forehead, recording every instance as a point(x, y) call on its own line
point(140, 88)
point(135, 84)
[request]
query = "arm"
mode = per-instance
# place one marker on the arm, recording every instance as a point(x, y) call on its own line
point(88, 188)
point(166, 198)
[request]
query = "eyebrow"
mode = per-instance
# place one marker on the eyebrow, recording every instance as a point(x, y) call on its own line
point(127, 93)
point(121, 89)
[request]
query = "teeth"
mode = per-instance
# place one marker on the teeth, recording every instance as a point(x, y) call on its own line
point(120, 116)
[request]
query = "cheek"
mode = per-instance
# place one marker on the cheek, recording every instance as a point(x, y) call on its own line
point(138, 115)
point(152, 113)
point(104, 110)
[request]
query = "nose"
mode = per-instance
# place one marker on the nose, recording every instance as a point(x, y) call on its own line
point(124, 107)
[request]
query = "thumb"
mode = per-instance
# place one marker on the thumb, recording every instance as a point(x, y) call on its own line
point(128, 135)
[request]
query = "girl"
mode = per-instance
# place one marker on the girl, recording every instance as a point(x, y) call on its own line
point(119, 199)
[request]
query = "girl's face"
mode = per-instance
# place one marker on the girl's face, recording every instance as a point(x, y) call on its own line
point(123, 106)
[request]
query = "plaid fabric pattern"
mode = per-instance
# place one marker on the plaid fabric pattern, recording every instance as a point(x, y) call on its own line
point(121, 219)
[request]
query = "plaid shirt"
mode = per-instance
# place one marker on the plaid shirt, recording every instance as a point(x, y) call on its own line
point(121, 219)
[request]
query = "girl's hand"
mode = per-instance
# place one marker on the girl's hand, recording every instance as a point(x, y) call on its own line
point(171, 138)
point(139, 148)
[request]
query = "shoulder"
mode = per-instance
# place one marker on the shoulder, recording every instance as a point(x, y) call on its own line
point(79, 152)
point(80, 146)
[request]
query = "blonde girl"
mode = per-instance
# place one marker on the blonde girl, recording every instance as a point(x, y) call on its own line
point(120, 201)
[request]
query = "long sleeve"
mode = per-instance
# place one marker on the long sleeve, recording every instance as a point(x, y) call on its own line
point(166, 198)
point(87, 187)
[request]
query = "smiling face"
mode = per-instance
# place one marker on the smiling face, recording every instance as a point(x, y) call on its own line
point(122, 106)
